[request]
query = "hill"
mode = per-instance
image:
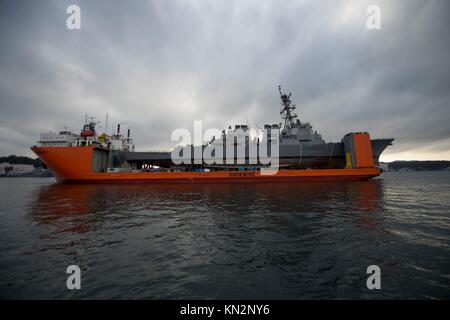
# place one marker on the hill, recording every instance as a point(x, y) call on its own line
point(431, 165)
point(13, 159)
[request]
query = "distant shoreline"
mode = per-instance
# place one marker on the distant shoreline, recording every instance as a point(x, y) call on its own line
point(416, 165)
point(28, 176)
point(394, 166)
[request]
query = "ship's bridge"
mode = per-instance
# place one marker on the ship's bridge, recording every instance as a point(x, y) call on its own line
point(301, 132)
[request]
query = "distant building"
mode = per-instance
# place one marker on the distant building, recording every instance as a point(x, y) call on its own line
point(384, 166)
point(7, 169)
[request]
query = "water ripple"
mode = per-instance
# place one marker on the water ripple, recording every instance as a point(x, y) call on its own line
point(270, 241)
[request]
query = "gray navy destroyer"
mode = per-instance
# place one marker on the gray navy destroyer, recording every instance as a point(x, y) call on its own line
point(300, 147)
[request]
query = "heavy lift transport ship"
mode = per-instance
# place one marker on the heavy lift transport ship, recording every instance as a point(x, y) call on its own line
point(303, 156)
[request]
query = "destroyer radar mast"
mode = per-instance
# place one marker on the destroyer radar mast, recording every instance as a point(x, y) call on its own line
point(287, 108)
point(294, 129)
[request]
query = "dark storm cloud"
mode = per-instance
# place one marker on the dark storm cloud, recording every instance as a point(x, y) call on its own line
point(159, 65)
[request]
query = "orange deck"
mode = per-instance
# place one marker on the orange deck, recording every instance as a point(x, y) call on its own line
point(74, 164)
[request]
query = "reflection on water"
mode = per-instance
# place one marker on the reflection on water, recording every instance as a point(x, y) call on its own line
point(75, 207)
point(294, 241)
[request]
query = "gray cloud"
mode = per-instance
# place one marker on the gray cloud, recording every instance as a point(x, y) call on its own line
point(160, 65)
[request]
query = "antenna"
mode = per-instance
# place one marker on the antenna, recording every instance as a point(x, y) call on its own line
point(106, 123)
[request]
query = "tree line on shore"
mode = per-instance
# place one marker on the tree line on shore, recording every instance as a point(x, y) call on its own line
point(429, 165)
point(13, 159)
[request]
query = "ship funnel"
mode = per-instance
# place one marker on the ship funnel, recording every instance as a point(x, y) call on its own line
point(118, 128)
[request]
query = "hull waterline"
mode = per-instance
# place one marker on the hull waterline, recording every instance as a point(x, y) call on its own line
point(74, 165)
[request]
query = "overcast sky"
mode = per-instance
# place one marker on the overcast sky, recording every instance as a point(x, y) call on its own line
point(159, 65)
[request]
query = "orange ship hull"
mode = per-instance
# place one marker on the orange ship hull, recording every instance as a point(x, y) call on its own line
point(74, 164)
